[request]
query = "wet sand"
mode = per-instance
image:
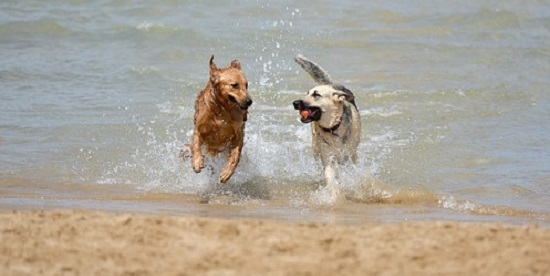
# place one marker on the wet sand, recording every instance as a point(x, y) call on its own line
point(75, 242)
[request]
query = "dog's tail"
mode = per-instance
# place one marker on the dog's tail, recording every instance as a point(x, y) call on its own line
point(318, 74)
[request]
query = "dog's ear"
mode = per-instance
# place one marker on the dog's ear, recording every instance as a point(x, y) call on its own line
point(214, 71)
point(235, 64)
point(342, 93)
point(212, 64)
point(339, 96)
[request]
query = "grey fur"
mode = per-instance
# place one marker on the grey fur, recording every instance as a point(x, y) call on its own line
point(321, 76)
point(318, 74)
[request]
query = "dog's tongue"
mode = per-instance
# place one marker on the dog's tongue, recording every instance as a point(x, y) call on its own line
point(305, 113)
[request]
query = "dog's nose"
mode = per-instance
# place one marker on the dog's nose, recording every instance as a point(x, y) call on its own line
point(248, 102)
point(298, 104)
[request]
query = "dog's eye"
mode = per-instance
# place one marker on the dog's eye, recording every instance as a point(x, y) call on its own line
point(235, 85)
point(316, 94)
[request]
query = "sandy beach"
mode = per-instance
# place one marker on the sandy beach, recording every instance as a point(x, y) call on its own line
point(75, 242)
point(451, 177)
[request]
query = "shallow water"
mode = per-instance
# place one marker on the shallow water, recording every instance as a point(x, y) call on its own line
point(97, 99)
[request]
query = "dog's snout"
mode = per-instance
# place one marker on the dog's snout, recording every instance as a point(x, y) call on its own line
point(248, 102)
point(298, 104)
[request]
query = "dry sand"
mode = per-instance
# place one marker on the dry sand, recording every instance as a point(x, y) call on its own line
point(99, 243)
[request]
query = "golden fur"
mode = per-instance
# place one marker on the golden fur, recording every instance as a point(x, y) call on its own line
point(221, 111)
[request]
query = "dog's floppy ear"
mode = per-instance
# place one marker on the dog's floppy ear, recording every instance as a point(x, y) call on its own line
point(342, 93)
point(214, 71)
point(235, 64)
point(339, 96)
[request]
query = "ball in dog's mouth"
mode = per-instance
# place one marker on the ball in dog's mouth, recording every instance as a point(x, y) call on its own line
point(309, 115)
point(305, 113)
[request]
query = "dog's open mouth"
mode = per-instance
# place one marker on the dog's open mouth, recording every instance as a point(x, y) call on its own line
point(310, 114)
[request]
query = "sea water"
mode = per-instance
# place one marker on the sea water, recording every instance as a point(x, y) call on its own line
point(97, 99)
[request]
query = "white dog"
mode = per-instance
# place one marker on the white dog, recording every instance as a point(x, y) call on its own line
point(334, 118)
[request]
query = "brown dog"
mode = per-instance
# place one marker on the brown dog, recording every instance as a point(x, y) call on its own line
point(221, 111)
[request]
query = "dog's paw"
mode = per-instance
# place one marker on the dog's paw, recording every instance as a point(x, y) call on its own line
point(198, 163)
point(225, 175)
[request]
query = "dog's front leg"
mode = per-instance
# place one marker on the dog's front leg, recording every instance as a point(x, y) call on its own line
point(232, 162)
point(331, 177)
point(332, 182)
point(198, 159)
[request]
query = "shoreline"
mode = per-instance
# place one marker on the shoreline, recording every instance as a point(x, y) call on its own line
point(97, 242)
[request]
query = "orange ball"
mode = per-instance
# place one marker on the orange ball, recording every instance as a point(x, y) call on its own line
point(305, 113)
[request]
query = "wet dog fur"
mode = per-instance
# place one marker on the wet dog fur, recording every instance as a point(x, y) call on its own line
point(334, 118)
point(221, 111)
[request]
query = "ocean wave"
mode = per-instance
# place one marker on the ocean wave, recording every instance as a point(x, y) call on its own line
point(160, 29)
point(467, 206)
point(380, 111)
point(145, 70)
point(37, 27)
point(149, 26)
point(488, 19)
